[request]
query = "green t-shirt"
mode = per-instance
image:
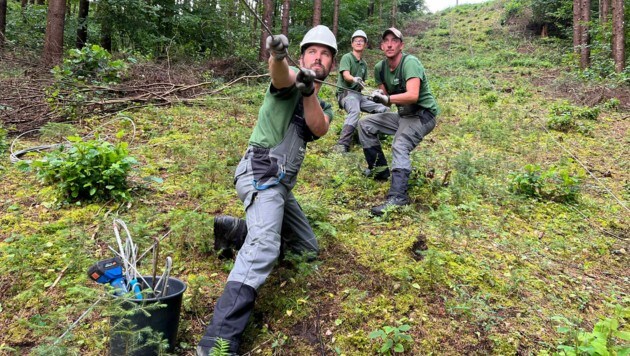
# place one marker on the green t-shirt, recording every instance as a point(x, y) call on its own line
point(275, 115)
point(412, 68)
point(356, 67)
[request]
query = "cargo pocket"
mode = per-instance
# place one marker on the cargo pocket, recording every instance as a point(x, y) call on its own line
point(249, 199)
point(428, 122)
point(240, 169)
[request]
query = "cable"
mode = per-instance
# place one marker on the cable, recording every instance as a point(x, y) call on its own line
point(581, 164)
point(128, 254)
point(14, 156)
point(291, 59)
point(79, 319)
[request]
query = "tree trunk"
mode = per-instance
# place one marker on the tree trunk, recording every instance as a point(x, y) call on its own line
point(380, 13)
point(585, 50)
point(577, 26)
point(3, 22)
point(286, 6)
point(24, 3)
point(618, 37)
point(53, 42)
point(253, 38)
point(544, 32)
point(370, 10)
point(167, 20)
point(336, 18)
point(263, 54)
point(394, 12)
point(84, 9)
point(104, 14)
point(604, 10)
point(317, 12)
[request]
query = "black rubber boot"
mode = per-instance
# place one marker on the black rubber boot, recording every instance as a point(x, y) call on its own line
point(231, 314)
point(229, 235)
point(377, 164)
point(397, 195)
point(345, 139)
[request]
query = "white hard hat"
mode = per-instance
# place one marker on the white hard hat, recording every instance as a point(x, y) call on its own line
point(319, 34)
point(358, 33)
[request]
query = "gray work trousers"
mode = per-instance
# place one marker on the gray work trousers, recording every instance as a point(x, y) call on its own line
point(354, 103)
point(265, 212)
point(408, 132)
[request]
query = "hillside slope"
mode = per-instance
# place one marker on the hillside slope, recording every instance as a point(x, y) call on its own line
point(474, 266)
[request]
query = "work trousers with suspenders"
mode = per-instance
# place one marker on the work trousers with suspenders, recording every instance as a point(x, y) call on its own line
point(264, 181)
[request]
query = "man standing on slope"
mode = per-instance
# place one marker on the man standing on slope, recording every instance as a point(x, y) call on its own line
point(352, 75)
point(291, 115)
point(402, 81)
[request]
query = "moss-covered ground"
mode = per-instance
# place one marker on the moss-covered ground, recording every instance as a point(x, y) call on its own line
point(498, 270)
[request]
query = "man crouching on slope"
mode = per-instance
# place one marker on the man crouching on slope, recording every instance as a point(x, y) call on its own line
point(291, 115)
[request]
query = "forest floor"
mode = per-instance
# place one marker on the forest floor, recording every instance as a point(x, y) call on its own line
point(471, 266)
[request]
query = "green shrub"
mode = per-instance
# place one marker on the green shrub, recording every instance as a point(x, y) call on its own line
point(564, 123)
point(555, 184)
point(612, 104)
point(87, 170)
point(565, 117)
point(490, 98)
point(580, 113)
point(393, 338)
point(514, 8)
point(90, 64)
point(608, 336)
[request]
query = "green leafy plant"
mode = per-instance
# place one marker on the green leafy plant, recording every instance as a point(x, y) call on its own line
point(565, 117)
point(393, 338)
point(279, 342)
point(607, 338)
point(90, 64)
point(90, 170)
point(554, 184)
point(221, 348)
point(490, 98)
point(513, 8)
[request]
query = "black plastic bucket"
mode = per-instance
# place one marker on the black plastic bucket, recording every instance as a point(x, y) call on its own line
point(129, 333)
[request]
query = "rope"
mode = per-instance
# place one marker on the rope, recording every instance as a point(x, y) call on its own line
point(291, 59)
point(581, 164)
point(14, 156)
point(73, 325)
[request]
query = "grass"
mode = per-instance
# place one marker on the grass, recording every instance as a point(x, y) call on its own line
point(498, 269)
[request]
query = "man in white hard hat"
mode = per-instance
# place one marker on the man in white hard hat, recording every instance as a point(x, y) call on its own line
point(291, 115)
point(351, 81)
point(402, 81)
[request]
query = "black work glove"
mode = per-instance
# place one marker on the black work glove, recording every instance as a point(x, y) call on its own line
point(277, 46)
point(378, 96)
point(359, 81)
point(305, 82)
